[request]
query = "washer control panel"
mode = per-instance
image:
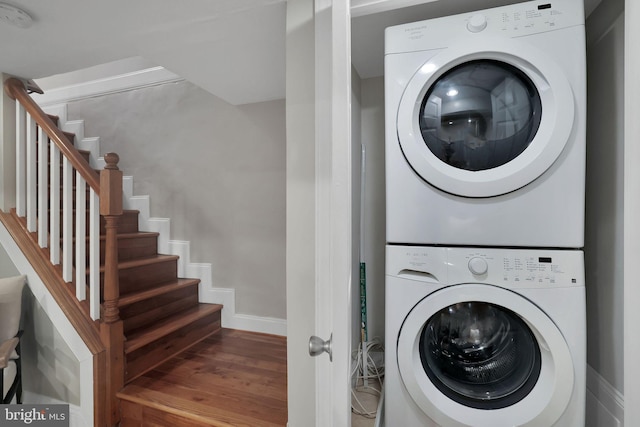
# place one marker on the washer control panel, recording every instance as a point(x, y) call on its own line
point(529, 268)
point(512, 268)
point(478, 265)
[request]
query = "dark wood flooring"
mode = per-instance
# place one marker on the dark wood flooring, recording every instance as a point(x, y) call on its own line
point(233, 378)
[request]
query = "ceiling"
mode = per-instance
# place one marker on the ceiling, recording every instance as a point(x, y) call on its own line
point(234, 49)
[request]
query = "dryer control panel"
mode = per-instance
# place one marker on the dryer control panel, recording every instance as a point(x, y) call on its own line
point(526, 18)
point(516, 20)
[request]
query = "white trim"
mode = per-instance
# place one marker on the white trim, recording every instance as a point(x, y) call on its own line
point(609, 402)
point(369, 7)
point(233, 320)
point(631, 205)
point(120, 83)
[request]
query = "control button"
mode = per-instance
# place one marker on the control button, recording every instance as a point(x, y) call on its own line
point(477, 23)
point(478, 266)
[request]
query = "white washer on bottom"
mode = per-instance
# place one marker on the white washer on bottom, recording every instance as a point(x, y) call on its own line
point(484, 337)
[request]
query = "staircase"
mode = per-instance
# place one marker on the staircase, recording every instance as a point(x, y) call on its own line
point(152, 314)
point(160, 312)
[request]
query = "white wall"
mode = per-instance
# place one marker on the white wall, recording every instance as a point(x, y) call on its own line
point(368, 131)
point(217, 170)
point(604, 233)
point(356, 158)
point(372, 113)
point(7, 268)
point(49, 368)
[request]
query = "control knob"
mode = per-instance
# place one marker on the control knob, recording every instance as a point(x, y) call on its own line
point(478, 266)
point(477, 23)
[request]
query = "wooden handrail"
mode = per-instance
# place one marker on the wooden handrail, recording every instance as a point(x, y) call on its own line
point(15, 88)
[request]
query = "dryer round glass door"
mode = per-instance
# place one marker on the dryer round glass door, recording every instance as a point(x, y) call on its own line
point(481, 123)
point(480, 115)
point(477, 354)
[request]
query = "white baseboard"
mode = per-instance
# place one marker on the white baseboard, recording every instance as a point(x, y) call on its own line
point(233, 320)
point(605, 404)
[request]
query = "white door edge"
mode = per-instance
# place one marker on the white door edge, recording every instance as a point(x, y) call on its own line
point(333, 213)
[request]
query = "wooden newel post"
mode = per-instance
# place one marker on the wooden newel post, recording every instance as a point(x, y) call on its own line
point(111, 209)
point(111, 328)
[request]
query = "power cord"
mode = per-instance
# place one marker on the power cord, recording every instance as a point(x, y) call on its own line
point(361, 375)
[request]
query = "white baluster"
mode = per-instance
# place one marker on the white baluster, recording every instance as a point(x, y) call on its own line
point(43, 189)
point(21, 160)
point(67, 220)
point(81, 236)
point(94, 254)
point(31, 173)
point(54, 209)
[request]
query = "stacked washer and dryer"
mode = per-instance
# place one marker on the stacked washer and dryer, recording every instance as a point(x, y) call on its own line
point(485, 179)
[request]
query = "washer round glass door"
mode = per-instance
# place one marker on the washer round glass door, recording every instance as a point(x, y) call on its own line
point(480, 123)
point(475, 354)
point(479, 354)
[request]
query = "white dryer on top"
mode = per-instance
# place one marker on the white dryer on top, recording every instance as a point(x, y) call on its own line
point(485, 127)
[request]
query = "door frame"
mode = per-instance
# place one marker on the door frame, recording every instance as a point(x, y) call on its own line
point(631, 209)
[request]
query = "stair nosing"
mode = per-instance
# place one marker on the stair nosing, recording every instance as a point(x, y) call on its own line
point(169, 325)
point(138, 262)
point(167, 287)
point(125, 236)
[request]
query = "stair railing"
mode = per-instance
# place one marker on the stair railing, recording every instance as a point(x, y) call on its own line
point(38, 167)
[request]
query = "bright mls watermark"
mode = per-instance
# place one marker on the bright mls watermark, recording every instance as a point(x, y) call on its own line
point(34, 415)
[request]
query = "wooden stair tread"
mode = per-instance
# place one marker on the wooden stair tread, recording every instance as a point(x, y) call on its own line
point(210, 384)
point(134, 297)
point(156, 259)
point(146, 397)
point(140, 338)
point(184, 409)
point(128, 236)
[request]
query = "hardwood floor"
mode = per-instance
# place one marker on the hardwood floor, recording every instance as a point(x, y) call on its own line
point(233, 378)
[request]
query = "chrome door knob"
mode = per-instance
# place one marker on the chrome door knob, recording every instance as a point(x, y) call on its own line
point(318, 346)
